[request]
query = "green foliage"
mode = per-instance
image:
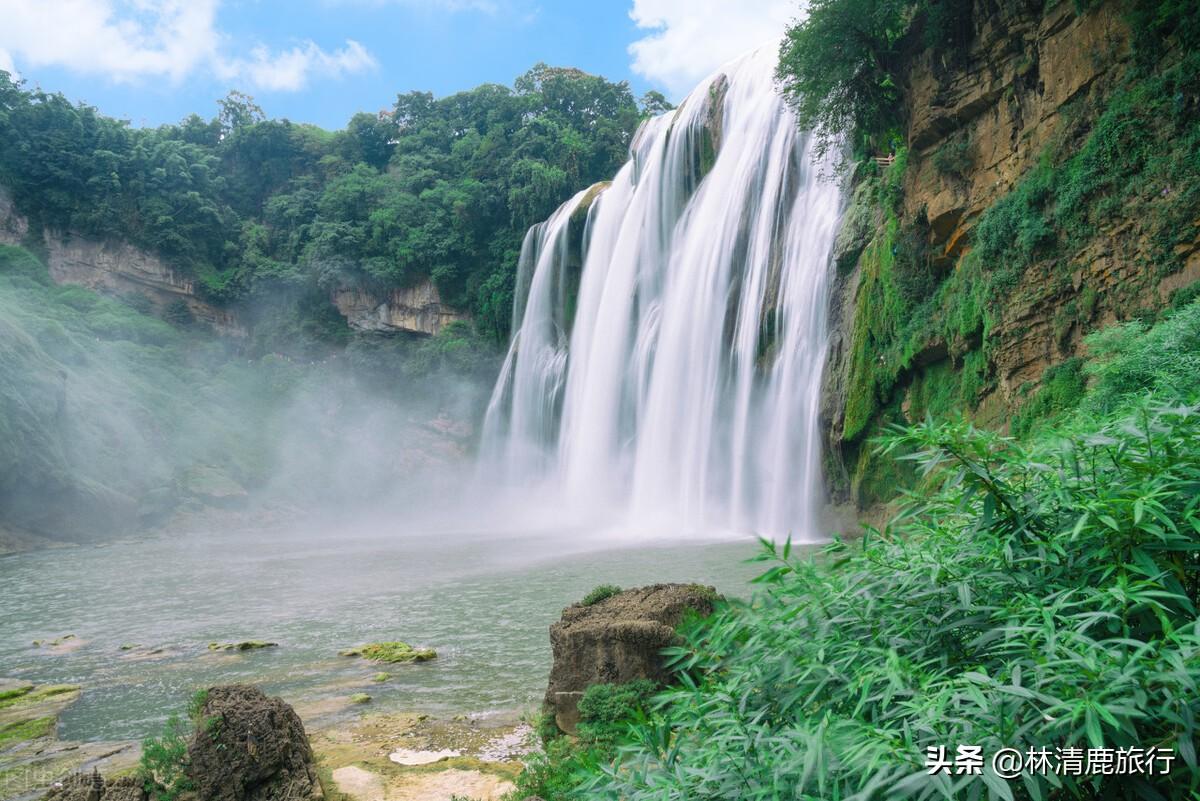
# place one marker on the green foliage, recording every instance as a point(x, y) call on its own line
point(1030, 596)
point(606, 713)
point(1130, 361)
point(605, 710)
point(259, 208)
point(955, 158)
point(599, 593)
point(164, 762)
point(1062, 387)
point(842, 65)
point(840, 68)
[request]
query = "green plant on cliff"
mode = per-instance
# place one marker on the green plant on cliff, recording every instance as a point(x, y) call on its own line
point(600, 593)
point(842, 64)
point(163, 768)
point(1138, 159)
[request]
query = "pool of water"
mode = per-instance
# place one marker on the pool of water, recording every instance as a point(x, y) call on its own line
point(483, 601)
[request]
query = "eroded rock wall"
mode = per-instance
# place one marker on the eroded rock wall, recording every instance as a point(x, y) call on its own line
point(1027, 88)
point(417, 309)
point(114, 267)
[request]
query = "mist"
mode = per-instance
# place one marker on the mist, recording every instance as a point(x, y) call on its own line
point(118, 423)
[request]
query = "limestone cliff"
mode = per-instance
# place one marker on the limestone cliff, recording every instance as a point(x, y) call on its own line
point(114, 267)
point(989, 132)
point(416, 309)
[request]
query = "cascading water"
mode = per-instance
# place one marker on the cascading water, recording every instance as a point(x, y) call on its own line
point(669, 327)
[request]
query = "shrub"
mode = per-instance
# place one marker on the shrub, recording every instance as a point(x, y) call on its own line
point(605, 710)
point(1030, 596)
point(1131, 361)
point(599, 594)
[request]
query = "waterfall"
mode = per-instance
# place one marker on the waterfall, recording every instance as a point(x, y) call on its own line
point(670, 326)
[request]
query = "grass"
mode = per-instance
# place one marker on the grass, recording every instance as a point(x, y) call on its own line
point(600, 593)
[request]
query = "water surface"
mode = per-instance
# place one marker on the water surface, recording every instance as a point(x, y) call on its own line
point(484, 601)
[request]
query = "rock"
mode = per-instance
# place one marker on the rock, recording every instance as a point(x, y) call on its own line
point(417, 309)
point(360, 698)
point(617, 640)
point(249, 747)
point(94, 787)
point(33, 759)
point(395, 652)
point(857, 225)
point(244, 645)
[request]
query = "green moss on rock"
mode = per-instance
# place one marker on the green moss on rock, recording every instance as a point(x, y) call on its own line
point(395, 652)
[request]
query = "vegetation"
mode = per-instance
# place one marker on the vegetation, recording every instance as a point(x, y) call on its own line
point(391, 652)
point(1138, 158)
point(23, 730)
point(1037, 594)
point(606, 712)
point(842, 65)
point(164, 763)
point(600, 593)
point(276, 212)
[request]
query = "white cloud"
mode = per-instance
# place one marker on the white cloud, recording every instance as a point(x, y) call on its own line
point(6, 64)
point(691, 38)
point(290, 70)
point(132, 40)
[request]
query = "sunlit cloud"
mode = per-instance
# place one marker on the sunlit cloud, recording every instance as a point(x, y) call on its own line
point(689, 39)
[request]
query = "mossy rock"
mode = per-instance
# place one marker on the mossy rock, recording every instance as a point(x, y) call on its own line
point(244, 645)
point(391, 652)
point(380, 678)
point(360, 698)
point(25, 730)
point(28, 694)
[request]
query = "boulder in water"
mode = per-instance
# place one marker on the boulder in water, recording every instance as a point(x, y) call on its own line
point(617, 640)
point(249, 747)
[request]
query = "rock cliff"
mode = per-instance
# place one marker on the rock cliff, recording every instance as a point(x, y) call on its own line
point(417, 309)
point(117, 268)
point(1023, 96)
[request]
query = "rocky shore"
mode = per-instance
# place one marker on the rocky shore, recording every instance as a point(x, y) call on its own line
point(242, 745)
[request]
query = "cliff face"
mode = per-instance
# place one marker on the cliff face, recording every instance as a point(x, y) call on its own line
point(1023, 96)
point(117, 268)
point(114, 267)
point(416, 309)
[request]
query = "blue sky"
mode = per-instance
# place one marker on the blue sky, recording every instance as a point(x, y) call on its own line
point(319, 61)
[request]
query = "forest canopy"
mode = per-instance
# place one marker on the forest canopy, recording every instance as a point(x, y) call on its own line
point(253, 207)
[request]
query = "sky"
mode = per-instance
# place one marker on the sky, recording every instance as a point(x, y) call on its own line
point(320, 61)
